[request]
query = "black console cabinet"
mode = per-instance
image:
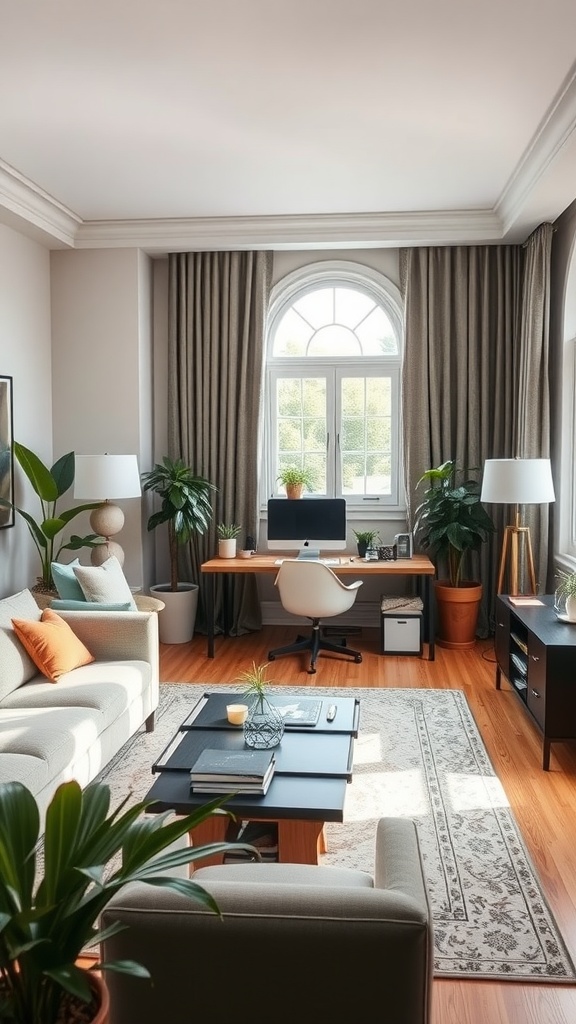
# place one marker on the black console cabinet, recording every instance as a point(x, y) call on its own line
point(536, 652)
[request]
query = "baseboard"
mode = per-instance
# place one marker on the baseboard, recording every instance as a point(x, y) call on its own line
point(360, 614)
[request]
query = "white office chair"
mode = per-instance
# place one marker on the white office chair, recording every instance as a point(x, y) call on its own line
point(311, 588)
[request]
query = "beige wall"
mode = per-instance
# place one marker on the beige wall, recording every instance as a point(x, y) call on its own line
point(101, 350)
point(25, 355)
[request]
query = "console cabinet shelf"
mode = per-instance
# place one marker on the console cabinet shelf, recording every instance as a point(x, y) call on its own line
point(536, 652)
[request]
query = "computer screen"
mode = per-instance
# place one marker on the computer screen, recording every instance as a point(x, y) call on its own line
point(298, 524)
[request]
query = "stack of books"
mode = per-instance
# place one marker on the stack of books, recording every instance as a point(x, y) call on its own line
point(261, 834)
point(233, 771)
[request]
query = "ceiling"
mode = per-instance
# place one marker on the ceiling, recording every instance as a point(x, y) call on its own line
point(285, 123)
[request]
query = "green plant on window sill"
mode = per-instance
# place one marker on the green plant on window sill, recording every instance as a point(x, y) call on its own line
point(566, 586)
point(50, 485)
point(228, 531)
point(293, 476)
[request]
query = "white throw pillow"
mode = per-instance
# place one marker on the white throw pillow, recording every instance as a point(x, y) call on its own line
point(104, 583)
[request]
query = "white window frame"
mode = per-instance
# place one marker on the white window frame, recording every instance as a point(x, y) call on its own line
point(332, 273)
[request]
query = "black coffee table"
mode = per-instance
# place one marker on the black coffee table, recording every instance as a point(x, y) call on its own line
point(313, 769)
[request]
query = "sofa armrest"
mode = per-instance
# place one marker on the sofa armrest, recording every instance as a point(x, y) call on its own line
point(118, 636)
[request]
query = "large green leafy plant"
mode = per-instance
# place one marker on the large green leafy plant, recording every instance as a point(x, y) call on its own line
point(46, 922)
point(451, 521)
point(186, 505)
point(50, 485)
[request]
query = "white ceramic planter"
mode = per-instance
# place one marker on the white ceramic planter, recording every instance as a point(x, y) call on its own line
point(227, 548)
point(571, 609)
point(177, 619)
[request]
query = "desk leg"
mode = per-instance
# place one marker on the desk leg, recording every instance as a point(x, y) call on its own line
point(430, 613)
point(210, 613)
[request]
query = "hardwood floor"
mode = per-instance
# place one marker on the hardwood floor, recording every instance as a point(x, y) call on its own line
point(544, 803)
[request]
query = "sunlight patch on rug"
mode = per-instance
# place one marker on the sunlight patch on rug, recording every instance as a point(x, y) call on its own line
point(419, 755)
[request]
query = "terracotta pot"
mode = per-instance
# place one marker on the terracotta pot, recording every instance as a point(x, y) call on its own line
point(294, 490)
point(457, 611)
point(73, 1011)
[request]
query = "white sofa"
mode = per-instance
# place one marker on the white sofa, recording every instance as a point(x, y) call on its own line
point(51, 732)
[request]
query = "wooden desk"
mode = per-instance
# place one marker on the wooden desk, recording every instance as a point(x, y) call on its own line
point(419, 566)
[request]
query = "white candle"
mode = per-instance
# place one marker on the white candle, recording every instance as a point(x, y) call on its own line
point(237, 713)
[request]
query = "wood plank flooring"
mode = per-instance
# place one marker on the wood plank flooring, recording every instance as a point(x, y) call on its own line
point(544, 803)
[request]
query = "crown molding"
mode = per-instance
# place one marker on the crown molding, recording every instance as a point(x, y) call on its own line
point(34, 212)
point(368, 230)
point(551, 141)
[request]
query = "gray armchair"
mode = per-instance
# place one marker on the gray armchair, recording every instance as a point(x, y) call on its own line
point(295, 943)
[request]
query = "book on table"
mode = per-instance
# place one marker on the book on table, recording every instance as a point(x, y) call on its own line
point(232, 771)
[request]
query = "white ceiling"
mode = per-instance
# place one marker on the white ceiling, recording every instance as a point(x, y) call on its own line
point(285, 123)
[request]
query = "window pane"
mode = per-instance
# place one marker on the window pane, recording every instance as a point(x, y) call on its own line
point(301, 427)
point(334, 341)
point(292, 335)
point(376, 335)
point(351, 307)
point(366, 435)
point(317, 307)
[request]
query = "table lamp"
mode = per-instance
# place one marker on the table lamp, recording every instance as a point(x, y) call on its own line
point(105, 477)
point(517, 482)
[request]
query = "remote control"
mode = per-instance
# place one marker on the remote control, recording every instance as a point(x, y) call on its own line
point(331, 713)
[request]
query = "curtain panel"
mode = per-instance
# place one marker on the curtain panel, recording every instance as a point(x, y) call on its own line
point(217, 309)
point(475, 322)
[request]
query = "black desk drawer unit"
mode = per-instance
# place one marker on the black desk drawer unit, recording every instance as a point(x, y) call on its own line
point(536, 652)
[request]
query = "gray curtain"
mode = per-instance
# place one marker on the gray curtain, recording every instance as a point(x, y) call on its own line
point(533, 418)
point(462, 308)
point(217, 310)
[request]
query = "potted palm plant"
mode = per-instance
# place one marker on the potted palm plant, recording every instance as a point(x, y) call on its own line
point(294, 479)
point(50, 485)
point(450, 523)
point(186, 509)
point(46, 922)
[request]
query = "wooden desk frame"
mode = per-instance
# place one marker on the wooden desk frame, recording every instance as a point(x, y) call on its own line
point(419, 566)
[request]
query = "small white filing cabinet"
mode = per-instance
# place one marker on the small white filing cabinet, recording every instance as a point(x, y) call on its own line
point(401, 632)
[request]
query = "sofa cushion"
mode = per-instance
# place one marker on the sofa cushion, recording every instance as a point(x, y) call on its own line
point(65, 581)
point(36, 745)
point(16, 665)
point(104, 583)
point(108, 687)
point(52, 644)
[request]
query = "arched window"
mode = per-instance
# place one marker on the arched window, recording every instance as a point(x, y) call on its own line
point(333, 383)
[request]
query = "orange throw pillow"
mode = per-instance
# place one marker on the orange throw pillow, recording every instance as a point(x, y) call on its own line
point(52, 645)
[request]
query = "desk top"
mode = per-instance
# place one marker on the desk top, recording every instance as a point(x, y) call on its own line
point(350, 565)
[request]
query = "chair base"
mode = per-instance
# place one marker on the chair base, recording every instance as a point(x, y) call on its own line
point(314, 644)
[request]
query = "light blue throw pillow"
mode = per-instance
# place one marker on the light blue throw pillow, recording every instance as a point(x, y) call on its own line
point(89, 606)
point(65, 581)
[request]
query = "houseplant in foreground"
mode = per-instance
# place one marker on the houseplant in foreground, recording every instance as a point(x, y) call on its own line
point(264, 726)
point(186, 509)
point(450, 523)
point(44, 927)
point(50, 485)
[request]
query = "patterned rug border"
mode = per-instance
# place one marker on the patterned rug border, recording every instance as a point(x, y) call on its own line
point(537, 906)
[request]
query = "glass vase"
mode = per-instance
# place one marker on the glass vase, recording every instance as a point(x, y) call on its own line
point(264, 726)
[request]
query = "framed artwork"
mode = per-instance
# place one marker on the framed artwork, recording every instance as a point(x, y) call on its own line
point(6, 457)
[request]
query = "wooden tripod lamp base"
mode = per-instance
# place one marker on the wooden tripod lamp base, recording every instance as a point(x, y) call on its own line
point(514, 538)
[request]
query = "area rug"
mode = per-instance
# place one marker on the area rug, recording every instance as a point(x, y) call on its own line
point(419, 755)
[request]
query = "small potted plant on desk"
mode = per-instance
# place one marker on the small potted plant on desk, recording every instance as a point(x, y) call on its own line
point(565, 595)
point(294, 479)
point(227, 536)
point(365, 539)
point(449, 523)
point(186, 509)
point(90, 852)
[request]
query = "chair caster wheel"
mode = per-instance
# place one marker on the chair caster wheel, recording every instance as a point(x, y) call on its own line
point(311, 671)
point(271, 657)
point(358, 659)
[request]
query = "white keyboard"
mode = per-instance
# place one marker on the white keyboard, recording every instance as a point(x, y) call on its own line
point(325, 561)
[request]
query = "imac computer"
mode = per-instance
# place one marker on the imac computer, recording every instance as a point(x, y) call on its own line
point(307, 525)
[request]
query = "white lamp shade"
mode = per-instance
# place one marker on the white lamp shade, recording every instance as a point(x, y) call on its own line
point(517, 482)
point(102, 477)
